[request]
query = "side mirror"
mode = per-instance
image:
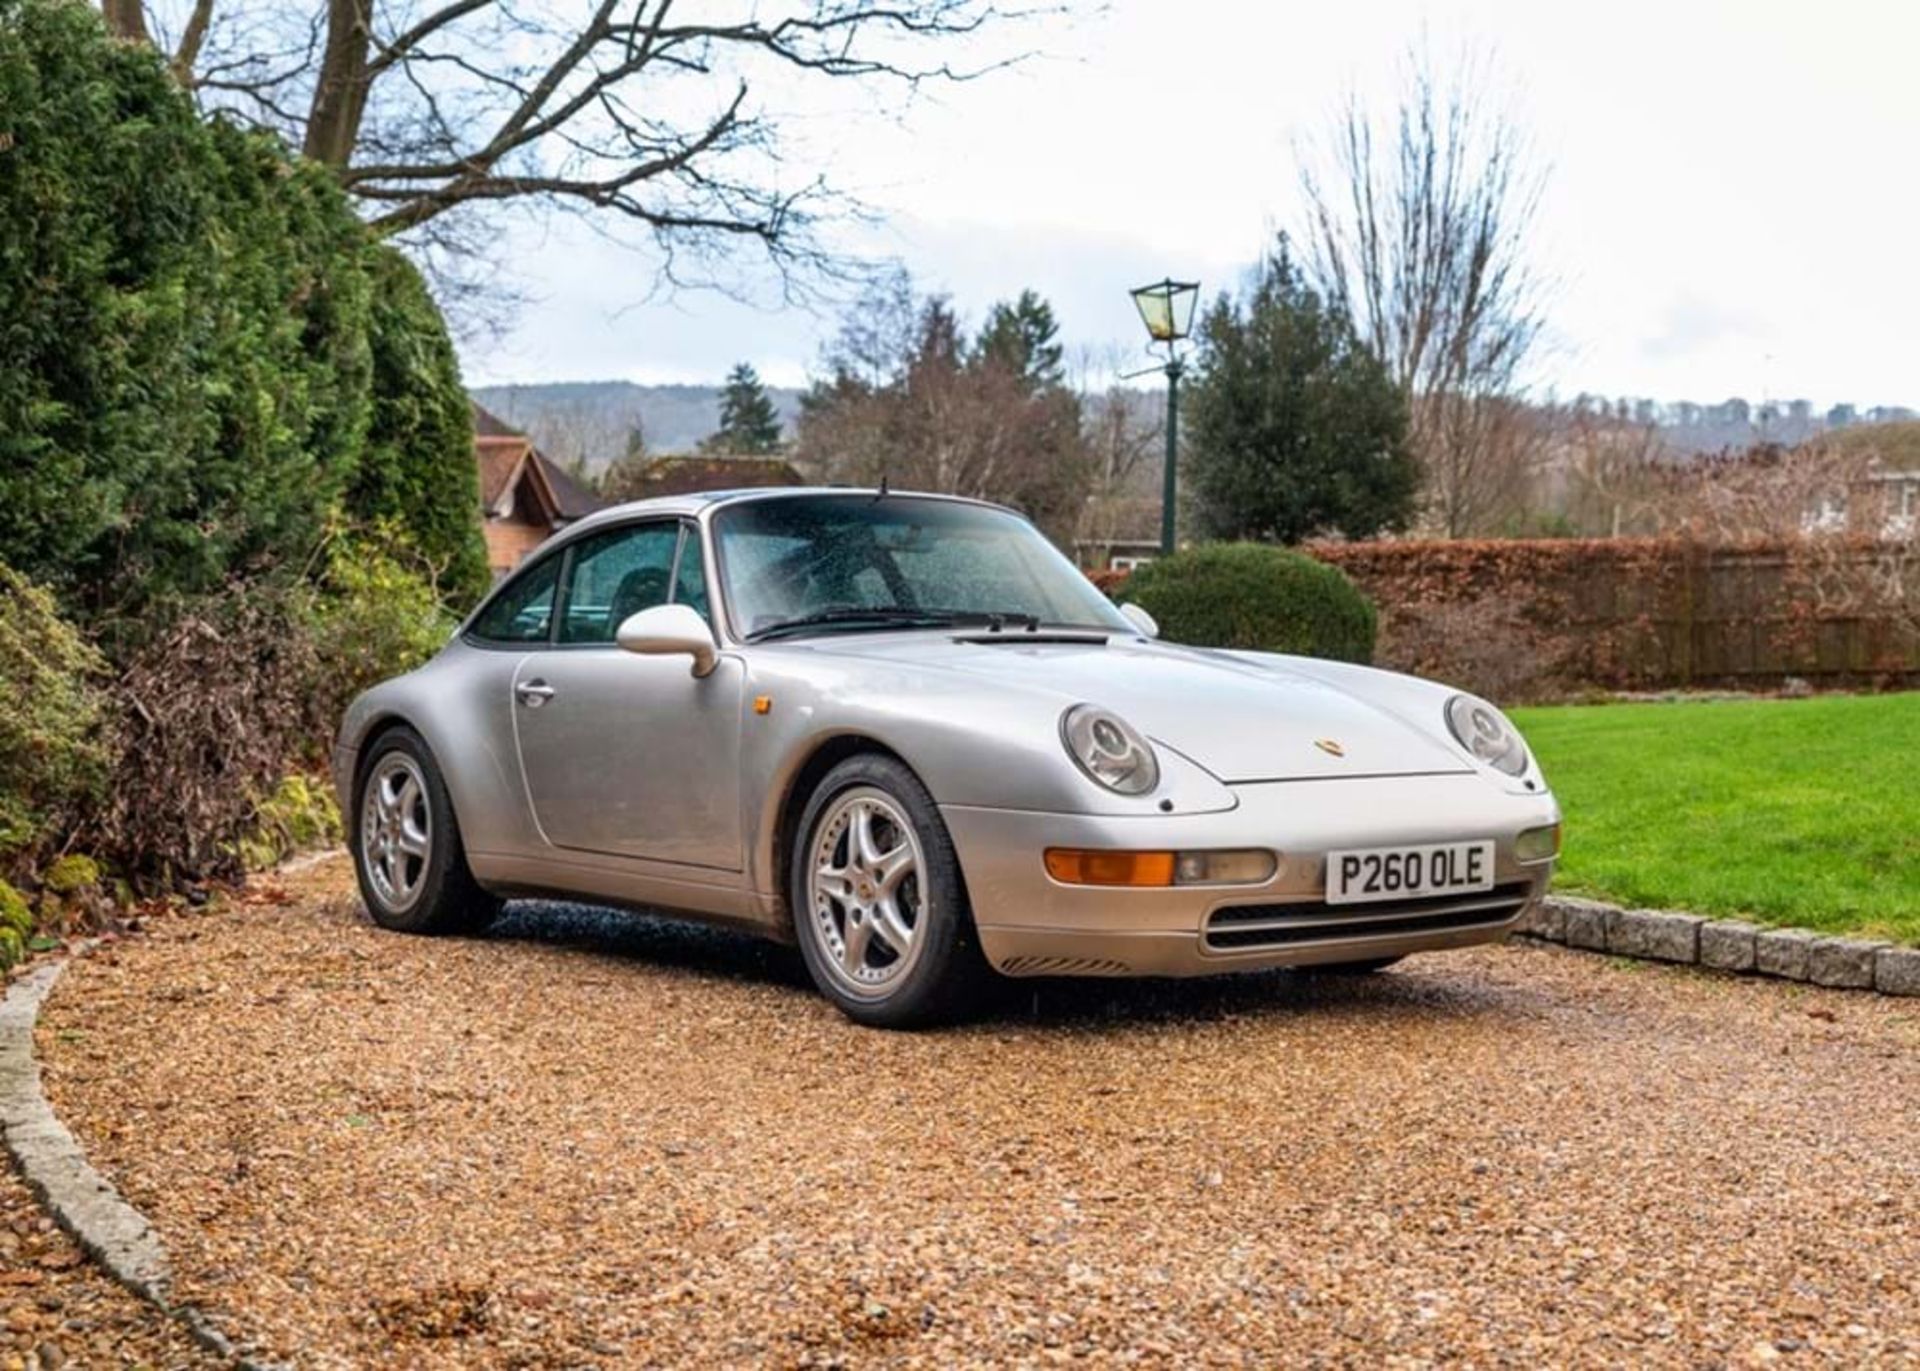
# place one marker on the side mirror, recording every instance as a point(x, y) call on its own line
point(1141, 620)
point(668, 630)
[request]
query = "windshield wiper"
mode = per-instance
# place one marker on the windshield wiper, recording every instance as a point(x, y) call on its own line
point(895, 616)
point(888, 616)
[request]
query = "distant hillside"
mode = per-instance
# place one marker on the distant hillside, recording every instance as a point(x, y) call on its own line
point(1897, 445)
point(589, 422)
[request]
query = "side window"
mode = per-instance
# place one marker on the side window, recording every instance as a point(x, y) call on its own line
point(690, 584)
point(616, 574)
point(523, 612)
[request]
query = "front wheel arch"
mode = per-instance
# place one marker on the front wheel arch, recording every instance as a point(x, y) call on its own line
point(826, 755)
point(945, 973)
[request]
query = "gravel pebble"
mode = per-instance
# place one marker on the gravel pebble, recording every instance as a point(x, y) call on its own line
point(58, 1310)
point(599, 1140)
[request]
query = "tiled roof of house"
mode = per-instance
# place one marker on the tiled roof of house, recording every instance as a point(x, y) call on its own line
point(486, 424)
point(499, 459)
point(574, 500)
point(504, 454)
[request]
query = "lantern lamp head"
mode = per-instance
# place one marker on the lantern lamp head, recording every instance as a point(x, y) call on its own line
point(1166, 308)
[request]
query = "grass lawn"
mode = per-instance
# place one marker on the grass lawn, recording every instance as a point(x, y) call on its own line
point(1783, 811)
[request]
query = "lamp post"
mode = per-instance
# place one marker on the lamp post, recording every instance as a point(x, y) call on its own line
point(1166, 308)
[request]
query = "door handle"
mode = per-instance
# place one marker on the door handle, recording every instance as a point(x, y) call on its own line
point(533, 693)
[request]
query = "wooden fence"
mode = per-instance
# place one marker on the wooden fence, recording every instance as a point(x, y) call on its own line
point(1644, 613)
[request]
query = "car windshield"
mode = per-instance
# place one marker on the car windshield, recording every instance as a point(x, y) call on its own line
point(827, 563)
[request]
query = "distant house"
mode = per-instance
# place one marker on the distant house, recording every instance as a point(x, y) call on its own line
point(524, 496)
point(696, 475)
point(1880, 504)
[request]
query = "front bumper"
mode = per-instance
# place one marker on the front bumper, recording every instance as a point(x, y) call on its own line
point(1032, 925)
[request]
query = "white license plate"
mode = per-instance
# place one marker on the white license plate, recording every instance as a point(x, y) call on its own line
point(1409, 873)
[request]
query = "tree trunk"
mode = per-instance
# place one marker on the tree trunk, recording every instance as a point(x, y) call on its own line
point(340, 94)
point(127, 19)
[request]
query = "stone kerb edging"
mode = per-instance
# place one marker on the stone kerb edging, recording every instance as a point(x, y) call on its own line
point(1788, 954)
point(56, 1170)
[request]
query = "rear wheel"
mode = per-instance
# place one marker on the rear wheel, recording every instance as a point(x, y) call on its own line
point(406, 844)
point(878, 905)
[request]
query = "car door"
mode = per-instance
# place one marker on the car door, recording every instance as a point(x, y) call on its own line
point(624, 754)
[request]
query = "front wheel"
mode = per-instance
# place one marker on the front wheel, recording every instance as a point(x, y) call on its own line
point(406, 844)
point(878, 905)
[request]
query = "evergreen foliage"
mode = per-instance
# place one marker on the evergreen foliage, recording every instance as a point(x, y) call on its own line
point(1023, 337)
point(197, 343)
point(54, 752)
point(749, 423)
point(417, 476)
point(1292, 427)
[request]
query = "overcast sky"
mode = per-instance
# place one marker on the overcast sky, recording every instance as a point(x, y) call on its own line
point(1732, 206)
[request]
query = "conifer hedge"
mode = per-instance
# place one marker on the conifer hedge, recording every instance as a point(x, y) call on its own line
point(204, 357)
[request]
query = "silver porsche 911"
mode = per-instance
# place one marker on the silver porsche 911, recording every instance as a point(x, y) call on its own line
point(904, 732)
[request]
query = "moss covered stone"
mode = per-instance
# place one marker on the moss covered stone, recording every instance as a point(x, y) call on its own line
point(71, 874)
point(14, 913)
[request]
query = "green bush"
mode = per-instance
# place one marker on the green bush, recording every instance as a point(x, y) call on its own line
point(54, 743)
point(1256, 597)
point(71, 874)
point(299, 815)
point(203, 355)
point(417, 472)
point(375, 614)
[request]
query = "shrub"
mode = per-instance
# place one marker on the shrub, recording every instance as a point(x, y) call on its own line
point(71, 874)
point(244, 691)
point(184, 372)
point(1252, 596)
point(376, 614)
point(54, 745)
point(203, 355)
point(16, 925)
point(417, 471)
point(300, 814)
point(211, 710)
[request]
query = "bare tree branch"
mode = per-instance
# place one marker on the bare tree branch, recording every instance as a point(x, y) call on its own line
point(192, 38)
point(656, 116)
point(1419, 227)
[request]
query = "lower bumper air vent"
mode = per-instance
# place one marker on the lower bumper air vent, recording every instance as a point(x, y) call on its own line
point(1239, 927)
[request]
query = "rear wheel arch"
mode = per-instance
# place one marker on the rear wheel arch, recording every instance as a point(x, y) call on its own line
point(370, 737)
point(449, 899)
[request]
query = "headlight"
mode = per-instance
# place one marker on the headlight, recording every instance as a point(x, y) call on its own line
point(1108, 749)
point(1485, 732)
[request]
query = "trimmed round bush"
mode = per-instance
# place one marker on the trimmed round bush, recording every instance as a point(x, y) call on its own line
point(1255, 597)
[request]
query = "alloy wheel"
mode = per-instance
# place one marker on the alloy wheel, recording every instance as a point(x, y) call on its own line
point(867, 891)
point(396, 831)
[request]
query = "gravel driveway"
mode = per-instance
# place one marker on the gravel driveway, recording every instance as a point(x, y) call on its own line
point(591, 1140)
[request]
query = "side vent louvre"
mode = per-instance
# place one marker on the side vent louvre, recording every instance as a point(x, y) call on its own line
point(1062, 966)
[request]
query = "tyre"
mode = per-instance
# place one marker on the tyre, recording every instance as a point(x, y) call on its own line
point(878, 905)
point(406, 843)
